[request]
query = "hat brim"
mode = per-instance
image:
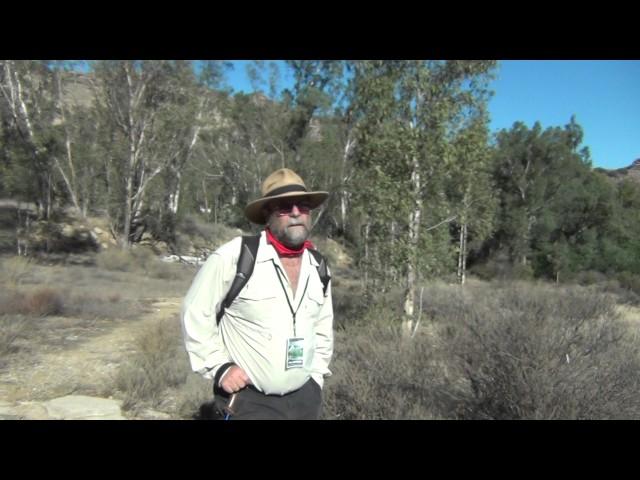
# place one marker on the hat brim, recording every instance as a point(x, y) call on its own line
point(253, 211)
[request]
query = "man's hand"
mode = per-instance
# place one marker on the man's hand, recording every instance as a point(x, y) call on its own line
point(234, 379)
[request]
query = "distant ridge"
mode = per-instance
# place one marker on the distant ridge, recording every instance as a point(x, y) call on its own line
point(632, 172)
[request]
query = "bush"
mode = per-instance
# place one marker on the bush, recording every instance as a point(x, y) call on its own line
point(114, 260)
point(194, 229)
point(629, 281)
point(41, 302)
point(135, 259)
point(500, 268)
point(589, 277)
point(543, 353)
point(195, 398)
point(515, 350)
point(11, 328)
point(159, 363)
point(15, 269)
point(379, 375)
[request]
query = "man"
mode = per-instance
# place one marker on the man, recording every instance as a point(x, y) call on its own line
point(270, 353)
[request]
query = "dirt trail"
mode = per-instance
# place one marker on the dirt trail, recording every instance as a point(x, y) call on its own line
point(629, 314)
point(86, 367)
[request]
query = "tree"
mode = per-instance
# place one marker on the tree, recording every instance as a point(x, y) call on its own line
point(470, 188)
point(152, 112)
point(408, 112)
point(26, 93)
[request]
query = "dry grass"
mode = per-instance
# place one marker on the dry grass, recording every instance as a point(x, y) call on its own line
point(160, 363)
point(488, 351)
point(40, 302)
point(545, 353)
point(492, 351)
point(12, 327)
point(15, 270)
point(56, 299)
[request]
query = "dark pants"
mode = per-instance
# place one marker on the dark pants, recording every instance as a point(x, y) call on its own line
point(250, 404)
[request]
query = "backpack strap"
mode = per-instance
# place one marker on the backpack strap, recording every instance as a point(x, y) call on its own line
point(322, 269)
point(246, 261)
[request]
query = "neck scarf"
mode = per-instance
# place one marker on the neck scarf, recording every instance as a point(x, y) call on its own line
point(285, 251)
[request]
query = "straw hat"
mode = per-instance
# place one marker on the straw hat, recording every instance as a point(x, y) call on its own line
point(282, 183)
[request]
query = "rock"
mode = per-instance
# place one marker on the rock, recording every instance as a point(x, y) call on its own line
point(149, 414)
point(80, 407)
point(68, 231)
point(23, 411)
point(32, 411)
point(6, 409)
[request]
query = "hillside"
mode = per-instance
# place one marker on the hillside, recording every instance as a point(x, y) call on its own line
point(632, 172)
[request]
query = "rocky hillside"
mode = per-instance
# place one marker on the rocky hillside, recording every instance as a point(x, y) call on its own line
point(632, 172)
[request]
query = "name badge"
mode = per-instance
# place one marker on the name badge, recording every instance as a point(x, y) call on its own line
point(295, 353)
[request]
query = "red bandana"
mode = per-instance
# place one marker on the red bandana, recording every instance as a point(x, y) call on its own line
point(285, 251)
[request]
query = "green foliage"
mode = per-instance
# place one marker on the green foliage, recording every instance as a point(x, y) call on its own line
point(408, 147)
point(555, 214)
point(402, 146)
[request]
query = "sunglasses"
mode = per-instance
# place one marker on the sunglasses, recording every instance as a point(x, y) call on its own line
point(285, 208)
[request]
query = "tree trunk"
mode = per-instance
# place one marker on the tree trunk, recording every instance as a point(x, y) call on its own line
point(409, 301)
point(343, 211)
point(344, 194)
point(70, 181)
point(414, 232)
point(206, 200)
point(174, 196)
point(462, 254)
point(366, 255)
point(128, 210)
point(70, 189)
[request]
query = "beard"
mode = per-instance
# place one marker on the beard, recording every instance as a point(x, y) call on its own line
point(292, 234)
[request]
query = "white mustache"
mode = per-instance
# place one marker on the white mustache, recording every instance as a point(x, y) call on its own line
point(297, 224)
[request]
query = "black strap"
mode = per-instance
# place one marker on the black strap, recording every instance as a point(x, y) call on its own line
point(322, 269)
point(246, 261)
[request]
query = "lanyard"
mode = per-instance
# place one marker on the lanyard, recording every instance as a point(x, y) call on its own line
point(293, 313)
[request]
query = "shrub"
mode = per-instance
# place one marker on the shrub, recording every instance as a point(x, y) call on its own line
point(159, 363)
point(114, 259)
point(134, 260)
point(380, 375)
point(543, 353)
point(491, 351)
point(41, 302)
point(11, 328)
point(15, 269)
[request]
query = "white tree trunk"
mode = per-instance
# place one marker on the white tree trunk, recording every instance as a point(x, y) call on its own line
point(13, 93)
point(174, 198)
point(414, 231)
point(462, 254)
point(366, 254)
point(344, 194)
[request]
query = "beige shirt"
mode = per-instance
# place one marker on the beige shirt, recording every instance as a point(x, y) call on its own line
point(254, 330)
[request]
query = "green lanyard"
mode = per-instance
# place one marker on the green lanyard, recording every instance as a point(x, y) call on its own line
point(293, 313)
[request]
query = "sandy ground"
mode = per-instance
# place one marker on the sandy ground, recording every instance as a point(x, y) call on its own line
point(83, 361)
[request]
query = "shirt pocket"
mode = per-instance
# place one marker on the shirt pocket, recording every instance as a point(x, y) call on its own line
point(257, 293)
point(315, 296)
point(257, 303)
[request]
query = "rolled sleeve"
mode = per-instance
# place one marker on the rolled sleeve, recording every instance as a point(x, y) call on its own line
point(202, 337)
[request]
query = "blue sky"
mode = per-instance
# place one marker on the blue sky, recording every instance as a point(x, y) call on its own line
point(604, 95)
